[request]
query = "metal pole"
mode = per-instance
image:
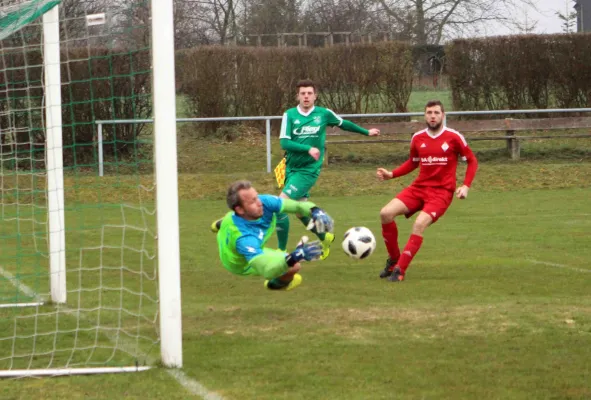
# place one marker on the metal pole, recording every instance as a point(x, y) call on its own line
point(268, 133)
point(100, 148)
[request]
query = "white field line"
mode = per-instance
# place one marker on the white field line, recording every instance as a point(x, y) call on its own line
point(550, 264)
point(191, 385)
point(20, 286)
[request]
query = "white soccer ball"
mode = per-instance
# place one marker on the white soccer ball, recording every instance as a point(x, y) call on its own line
point(359, 242)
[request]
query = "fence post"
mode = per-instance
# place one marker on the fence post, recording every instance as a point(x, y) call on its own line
point(100, 148)
point(513, 145)
point(268, 135)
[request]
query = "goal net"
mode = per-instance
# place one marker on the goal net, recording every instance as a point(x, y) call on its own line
point(79, 248)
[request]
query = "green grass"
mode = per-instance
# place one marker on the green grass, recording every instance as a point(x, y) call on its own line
point(477, 316)
point(480, 314)
point(496, 304)
point(418, 99)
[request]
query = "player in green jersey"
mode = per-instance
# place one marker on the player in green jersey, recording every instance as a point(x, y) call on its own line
point(303, 136)
point(243, 232)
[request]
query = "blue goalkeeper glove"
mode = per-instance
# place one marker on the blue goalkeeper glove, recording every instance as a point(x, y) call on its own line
point(307, 251)
point(320, 220)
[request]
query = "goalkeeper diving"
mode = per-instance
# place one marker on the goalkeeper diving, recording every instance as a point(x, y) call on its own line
point(243, 232)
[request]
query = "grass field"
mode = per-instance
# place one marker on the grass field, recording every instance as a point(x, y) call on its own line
point(495, 306)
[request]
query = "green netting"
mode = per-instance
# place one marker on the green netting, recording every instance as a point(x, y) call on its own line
point(15, 17)
point(110, 227)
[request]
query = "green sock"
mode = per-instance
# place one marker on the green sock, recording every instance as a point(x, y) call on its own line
point(276, 283)
point(282, 230)
point(306, 221)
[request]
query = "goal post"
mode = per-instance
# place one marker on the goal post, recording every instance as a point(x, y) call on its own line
point(166, 178)
point(54, 154)
point(89, 265)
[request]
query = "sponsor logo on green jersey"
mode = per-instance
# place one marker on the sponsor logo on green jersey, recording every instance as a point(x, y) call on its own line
point(306, 130)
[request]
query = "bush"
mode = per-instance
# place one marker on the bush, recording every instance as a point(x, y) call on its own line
point(242, 81)
point(520, 72)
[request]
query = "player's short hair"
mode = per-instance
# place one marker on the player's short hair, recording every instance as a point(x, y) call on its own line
point(305, 83)
point(233, 197)
point(433, 103)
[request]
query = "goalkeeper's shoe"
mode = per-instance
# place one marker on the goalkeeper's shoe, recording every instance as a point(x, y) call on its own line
point(396, 276)
point(215, 225)
point(389, 268)
point(328, 239)
point(294, 283)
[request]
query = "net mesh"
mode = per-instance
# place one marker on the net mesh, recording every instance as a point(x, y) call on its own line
point(110, 316)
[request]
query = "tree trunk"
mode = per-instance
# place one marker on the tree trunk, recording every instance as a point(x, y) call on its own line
point(420, 28)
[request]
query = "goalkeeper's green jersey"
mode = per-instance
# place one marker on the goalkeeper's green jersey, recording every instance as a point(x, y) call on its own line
point(241, 240)
point(301, 131)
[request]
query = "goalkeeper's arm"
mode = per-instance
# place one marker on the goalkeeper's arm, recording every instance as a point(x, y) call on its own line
point(303, 208)
point(272, 264)
point(319, 218)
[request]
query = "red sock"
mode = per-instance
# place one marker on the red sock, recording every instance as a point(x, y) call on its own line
point(411, 248)
point(390, 234)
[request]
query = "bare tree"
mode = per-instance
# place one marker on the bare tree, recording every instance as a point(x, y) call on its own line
point(434, 20)
point(272, 16)
point(339, 15)
point(209, 21)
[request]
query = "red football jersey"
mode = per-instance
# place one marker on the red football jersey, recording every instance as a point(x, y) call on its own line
point(438, 157)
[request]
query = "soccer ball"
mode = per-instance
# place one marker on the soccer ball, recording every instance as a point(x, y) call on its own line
point(359, 242)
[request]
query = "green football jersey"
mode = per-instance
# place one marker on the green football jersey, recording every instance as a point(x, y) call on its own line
point(309, 130)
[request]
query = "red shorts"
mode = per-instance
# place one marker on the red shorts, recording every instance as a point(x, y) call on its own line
point(433, 201)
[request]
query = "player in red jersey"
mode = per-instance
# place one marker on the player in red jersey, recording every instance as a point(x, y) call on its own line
point(436, 150)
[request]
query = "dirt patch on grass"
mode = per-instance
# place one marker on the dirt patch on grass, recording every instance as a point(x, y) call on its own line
point(368, 325)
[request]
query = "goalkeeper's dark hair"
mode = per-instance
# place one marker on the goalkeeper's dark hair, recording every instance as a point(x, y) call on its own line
point(233, 197)
point(306, 83)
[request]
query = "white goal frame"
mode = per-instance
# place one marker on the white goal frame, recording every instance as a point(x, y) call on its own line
point(166, 179)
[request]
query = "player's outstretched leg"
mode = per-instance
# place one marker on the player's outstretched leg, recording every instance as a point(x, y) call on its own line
point(215, 225)
point(278, 284)
point(289, 280)
point(328, 239)
point(390, 235)
point(411, 248)
point(282, 231)
point(396, 275)
point(389, 268)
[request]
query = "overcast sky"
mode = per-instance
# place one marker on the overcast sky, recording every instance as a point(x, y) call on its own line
point(548, 21)
point(543, 17)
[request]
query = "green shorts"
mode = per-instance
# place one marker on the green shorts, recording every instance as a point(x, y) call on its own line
point(298, 184)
